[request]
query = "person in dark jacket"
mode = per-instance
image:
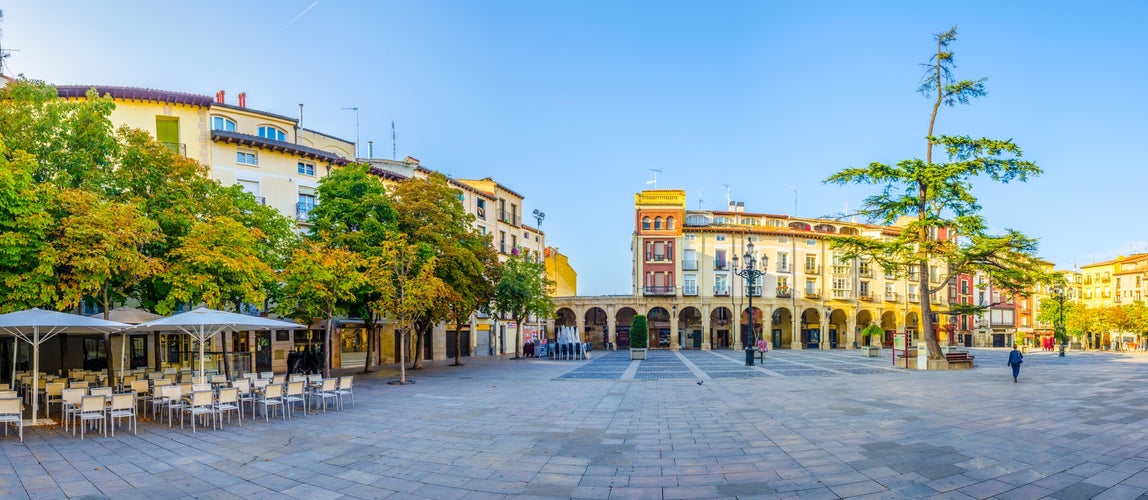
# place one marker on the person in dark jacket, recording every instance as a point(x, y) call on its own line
point(1014, 360)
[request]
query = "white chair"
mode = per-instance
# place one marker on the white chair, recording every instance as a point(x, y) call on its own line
point(327, 391)
point(142, 392)
point(228, 401)
point(345, 389)
point(279, 379)
point(53, 393)
point(266, 375)
point(101, 391)
point(70, 404)
point(200, 387)
point(123, 406)
point(297, 377)
point(295, 395)
point(91, 411)
point(172, 400)
point(272, 396)
point(246, 395)
point(10, 413)
point(200, 405)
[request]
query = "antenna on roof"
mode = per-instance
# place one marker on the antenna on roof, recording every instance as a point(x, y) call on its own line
point(654, 181)
point(727, 198)
point(4, 53)
point(394, 138)
point(354, 108)
point(700, 200)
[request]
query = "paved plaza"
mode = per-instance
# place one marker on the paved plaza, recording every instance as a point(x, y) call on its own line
point(805, 424)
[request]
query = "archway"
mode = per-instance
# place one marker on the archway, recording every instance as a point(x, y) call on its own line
point(690, 328)
point(744, 326)
point(782, 332)
point(719, 327)
point(622, 321)
point(864, 318)
point(811, 332)
point(889, 324)
point(658, 319)
point(836, 335)
point(595, 327)
point(913, 328)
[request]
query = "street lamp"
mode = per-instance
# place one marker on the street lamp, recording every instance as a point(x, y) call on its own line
point(751, 274)
point(1061, 335)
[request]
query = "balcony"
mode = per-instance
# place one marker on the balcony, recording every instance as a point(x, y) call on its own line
point(841, 269)
point(690, 265)
point(866, 296)
point(865, 272)
point(509, 218)
point(891, 296)
point(914, 277)
point(841, 294)
point(690, 290)
point(784, 293)
point(721, 292)
point(934, 278)
point(783, 267)
point(655, 257)
point(659, 290)
point(813, 294)
point(178, 148)
point(914, 298)
point(303, 210)
point(721, 265)
point(812, 269)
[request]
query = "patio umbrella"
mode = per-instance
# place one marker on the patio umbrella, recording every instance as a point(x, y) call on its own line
point(130, 316)
point(35, 326)
point(202, 324)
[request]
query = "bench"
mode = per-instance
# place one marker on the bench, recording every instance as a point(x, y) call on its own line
point(957, 356)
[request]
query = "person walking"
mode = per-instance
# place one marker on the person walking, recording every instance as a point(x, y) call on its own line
point(1014, 360)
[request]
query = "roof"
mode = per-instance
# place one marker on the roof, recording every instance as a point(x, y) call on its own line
point(216, 104)
point(316, 132)
point(273, 145)
point(135, 93)
point(387, 174)
point(496, 183)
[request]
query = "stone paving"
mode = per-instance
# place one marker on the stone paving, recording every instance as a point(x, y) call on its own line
point(820, 424)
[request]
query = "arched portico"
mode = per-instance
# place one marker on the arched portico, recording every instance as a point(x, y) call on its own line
point(781, 333)
point(745, 322)
point(596, 325)
point(622, 321)
point(720, 325)
point(811, 330)
point(658, 320)
point(690, 328)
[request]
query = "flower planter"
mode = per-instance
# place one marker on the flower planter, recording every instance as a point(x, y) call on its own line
point(869, 351)
point(637, 353)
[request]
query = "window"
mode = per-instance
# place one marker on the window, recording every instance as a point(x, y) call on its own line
point(221, 123)
point(246, 157)
point(306, 168)
point(783, 239)
point(721, 284)
point(719, 260)
point(964, 286)
point(645, 223)
point(670, 223)
point(659, 251)
point(783, 262)
point(720, 237)
point(658, 223)
point(272, 133)
point(691, 237)
point(481, 208)
point(811, 242)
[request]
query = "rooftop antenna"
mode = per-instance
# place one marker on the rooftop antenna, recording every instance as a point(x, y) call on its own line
point(4, 53)
point(727, 198)
point(394, 138)
point(794, 199)
point(700, 200)
point(354, 108)
point(654, 181)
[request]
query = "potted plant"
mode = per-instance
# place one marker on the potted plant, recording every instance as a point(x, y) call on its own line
point(639, 337)
point(875, 334)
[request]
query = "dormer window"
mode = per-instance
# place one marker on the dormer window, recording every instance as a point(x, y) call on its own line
point(272, 133)
point(221, 123)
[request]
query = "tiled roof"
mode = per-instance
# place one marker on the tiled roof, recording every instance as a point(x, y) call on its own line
point(273, 145)
point(135, 93)
point(254, 111)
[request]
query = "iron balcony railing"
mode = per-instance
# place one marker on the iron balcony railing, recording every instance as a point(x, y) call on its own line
point(178, 148)
point(812, 269)
point(813, 294)
point(690, 265)
point(690, 290)
point(754, 291)
point(509, 218)
point(660, 289)
point(721, 292)
point(783, 293)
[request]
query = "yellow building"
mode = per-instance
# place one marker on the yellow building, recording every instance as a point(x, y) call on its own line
point(558, 270)
point(1096, 283)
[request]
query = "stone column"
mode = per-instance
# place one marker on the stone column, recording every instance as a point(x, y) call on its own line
point(851, 329)
point(706, 345)
point(735, 331)
point(825, 324)
point(797, 325)
point(675, 337)
point(611, 332)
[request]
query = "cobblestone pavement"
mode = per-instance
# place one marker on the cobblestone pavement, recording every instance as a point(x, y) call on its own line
point(821, 424)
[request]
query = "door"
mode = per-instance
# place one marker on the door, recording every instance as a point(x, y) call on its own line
point(262, 351)
point(777, 339)
point(832, 338)
point(697, 339)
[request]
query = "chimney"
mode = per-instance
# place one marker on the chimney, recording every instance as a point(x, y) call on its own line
point(732, 205)
point(219, 97)
point(371, 150)
point(243, 99)
point(740, 206)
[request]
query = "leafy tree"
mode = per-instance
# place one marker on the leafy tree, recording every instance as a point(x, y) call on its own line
point(404, 273)
point(938, 198)
point(318, 282)
point(100, 245)
point(874, 332)
point(27, 257)
point(429, 212)
point(217, 264)
point(639, 332)
point(522, 290)
point(1050, 311)
point(354, 213)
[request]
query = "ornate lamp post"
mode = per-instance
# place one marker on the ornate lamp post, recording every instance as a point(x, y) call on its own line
point(1061, 335)
point(751, 274)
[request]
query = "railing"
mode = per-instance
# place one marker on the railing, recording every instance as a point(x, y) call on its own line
point(914, 298)
point(813, 294)
point(935, 278)
point(690, 290)
point(841, 294)
point(303, 210)
point(690, 265)
point(178, 148)
point(721, 292)
point(914, 277)
point(866, 296)
point(841, 269)
point(659, 290)
point(783, 293)
point(721, 265)
point(502, 247)
point(891, 296)
point(812, 269)
point(783, 268)
point(262, 200)
point(509, 217)
point(865, 273)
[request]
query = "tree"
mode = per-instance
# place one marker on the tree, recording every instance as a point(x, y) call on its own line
point(429, 212)
point(216, 263)
point(946, 226)
point(317, 282)
point(100, 245)
point(27, 257)
point(874, 332)
point(639, 332)
point(404, 275)
point(523, 290)
point(354, 213)
point(1050, 313)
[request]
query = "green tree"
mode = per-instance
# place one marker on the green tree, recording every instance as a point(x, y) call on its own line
point(875, 333)
point(522, 290)
point(354, 213)
point(318, 282)
point(938, 199)
point(27, 257)
point(639, 332)
point(1050, 311)
point(404, 274)
point(429, 212)
point(217, 263)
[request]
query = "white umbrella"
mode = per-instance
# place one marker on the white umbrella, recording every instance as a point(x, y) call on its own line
point(128, 315)
point(202, 324)
point(35, 326)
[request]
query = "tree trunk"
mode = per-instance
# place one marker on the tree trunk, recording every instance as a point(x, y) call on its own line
point(402, 356)
point(517, 337)
point(934, 346)
point(327, 344)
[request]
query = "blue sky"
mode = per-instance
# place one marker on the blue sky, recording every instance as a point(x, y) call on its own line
point(571, 103)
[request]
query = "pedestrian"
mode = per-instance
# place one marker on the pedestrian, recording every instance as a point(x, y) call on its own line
point(1014, 360)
